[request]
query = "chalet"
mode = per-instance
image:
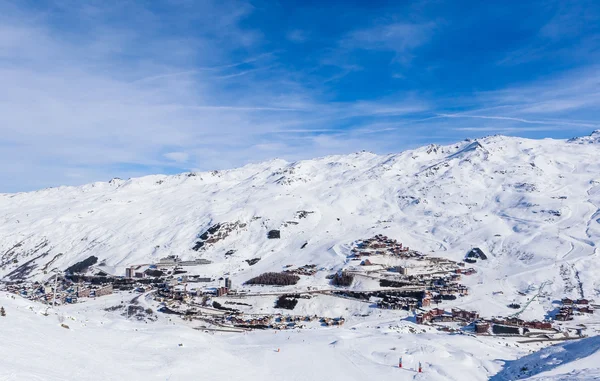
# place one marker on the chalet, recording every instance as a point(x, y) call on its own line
point(544, 325)
point(170, 260)
point(462, 289)
point(106, 290)
point(585, 309)
point(582, 301)
point(564, 314)
point(459, 314)
point(83, 292)
point(482, 327)
point(567, 301)
point(435, 315)
point(442, 318)
point(423, 318)
point(426, 301)
point(514, 321)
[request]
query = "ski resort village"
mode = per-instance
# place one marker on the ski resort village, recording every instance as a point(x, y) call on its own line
point(388, 276)
point(472, 261)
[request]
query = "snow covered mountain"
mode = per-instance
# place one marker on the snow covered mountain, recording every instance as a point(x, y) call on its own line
point(533, 206)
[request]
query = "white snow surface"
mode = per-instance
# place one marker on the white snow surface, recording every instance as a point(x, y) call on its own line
point(100, 345)
point(577, 360)
point(533, 206)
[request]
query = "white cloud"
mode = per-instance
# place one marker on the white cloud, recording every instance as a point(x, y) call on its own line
point(116, 98)
point(297, 36)
point(179, 157)
point(398, 37)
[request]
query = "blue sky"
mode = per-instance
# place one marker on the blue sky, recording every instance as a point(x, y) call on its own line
point(98, 89)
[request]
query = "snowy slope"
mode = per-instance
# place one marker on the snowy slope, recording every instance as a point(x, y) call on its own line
point(104, 346)
point(578, 360)
point(532, 205)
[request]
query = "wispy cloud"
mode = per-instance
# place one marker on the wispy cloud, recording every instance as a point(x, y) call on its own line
point(101, 105)
point(570, 32)
point(93, 90)
point(398, 37)
point(179, 157)
point(521, 120)
point(168, 75)
point(297, 36)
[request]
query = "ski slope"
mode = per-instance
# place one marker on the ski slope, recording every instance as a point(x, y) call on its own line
point(105, 346)
point(533, 206)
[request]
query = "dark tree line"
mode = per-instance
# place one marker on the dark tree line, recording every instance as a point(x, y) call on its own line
point(391, 283)
point(342, 279)
point(154, 273)
point(219, 306)
point(275, 279)
point(253, 261)
point(287, 302)
point(80, 267)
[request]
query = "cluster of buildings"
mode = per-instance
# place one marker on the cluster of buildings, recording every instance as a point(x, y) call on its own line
point(174, 260)
point(182, 289)
point(398, 303)
point(280, 322)
point(436, 288)
point(438, 315)
point(138, 271)
point(59, 291)
point(396, 266)
point(380, 245)
point(307, 270)
point(222, 291)
point(495, 326)
point(510, 326)
point(469, 271)
point(332, 321)
point(570, 306)
point(275, 322)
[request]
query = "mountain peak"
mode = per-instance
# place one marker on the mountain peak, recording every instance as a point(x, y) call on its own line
point(593, 138)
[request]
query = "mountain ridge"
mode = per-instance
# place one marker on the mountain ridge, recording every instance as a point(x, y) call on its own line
point(530, 204)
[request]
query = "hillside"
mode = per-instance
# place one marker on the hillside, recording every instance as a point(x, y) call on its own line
point(571, 361)
point(532, 205)
point(531, 208)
